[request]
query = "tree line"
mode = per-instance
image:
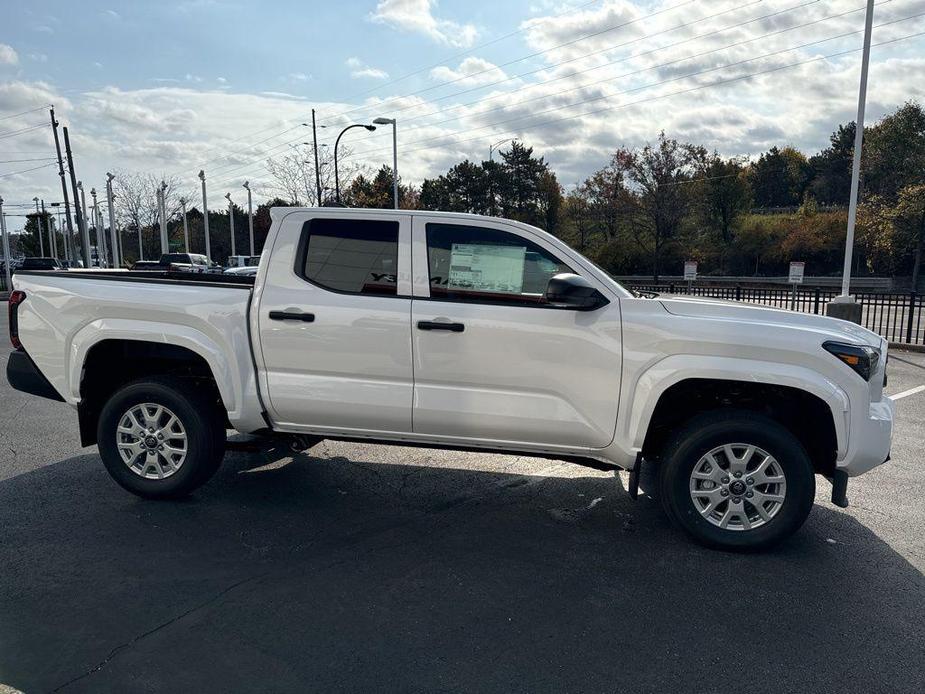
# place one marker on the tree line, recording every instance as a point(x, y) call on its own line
point(645, 212)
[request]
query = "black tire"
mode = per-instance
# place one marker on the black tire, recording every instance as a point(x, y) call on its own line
point(199, 415)
point(713, 429)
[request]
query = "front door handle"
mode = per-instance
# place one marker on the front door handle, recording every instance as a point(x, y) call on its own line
point(286, 315)
point(439, 325)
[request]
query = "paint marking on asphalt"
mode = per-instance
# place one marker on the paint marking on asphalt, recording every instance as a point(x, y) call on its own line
point(907, 393)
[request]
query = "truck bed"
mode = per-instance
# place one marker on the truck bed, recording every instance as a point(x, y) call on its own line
point(159, 276)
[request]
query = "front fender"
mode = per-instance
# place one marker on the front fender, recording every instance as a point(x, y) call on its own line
point(226, 376)
point(651, 383)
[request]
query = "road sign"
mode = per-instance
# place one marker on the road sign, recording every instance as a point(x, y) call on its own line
point(690, 270)
point(796, 272)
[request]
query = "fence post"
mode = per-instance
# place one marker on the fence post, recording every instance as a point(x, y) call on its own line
point(671, 288)
point(911, 313)
point(816, 301)
point(738, 292)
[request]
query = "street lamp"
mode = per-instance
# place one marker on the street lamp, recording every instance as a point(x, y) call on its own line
point(370, 128)
point(113, 234)
point(231, 220)
point(391, 121)
point(250, 215)
point(38, 221)
point(205, 215)
point(185, 225)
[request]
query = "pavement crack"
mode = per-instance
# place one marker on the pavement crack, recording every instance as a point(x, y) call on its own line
point(135, 639)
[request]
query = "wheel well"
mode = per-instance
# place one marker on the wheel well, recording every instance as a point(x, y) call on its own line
point(110, 364)
point(805, 415)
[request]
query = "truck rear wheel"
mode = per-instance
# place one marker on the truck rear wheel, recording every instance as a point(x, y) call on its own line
point(161, 438)
point(736, 480)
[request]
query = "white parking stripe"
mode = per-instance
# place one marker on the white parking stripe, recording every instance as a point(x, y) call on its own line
point(907, 393)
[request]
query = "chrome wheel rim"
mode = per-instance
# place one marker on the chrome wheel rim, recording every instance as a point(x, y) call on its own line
point(738, 487)
point(151, 441)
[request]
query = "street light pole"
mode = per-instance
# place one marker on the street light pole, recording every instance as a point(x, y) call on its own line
point(185, 226)
point(844, 305)
point(52, 241)
point(492, 148)
point(392, 122)
point(101, 252)
point(250, 215)
point(165, 239)
point(205, 214)
point(113, 234)
point(38, 220)
point(231, 220)
point(85, 228)
point(370, 128)
point(6, 249)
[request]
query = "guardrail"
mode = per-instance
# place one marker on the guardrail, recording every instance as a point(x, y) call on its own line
point(897, 316)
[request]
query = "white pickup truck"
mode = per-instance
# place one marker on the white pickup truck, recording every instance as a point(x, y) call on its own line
point(463, 332)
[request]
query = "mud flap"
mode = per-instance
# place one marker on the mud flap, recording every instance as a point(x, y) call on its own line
point(840, 488)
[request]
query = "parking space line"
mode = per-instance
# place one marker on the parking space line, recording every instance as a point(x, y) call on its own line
point(907, 393)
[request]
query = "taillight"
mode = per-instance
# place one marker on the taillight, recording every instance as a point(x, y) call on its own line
point(17, 296)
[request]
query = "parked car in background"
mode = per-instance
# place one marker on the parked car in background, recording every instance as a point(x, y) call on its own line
point(459, 331)
point(39, 263)
point(247, 270)
point(147, 265)
point(178, 262)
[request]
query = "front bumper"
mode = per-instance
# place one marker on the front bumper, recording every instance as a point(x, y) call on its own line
point(870, 439)
point(24, 375)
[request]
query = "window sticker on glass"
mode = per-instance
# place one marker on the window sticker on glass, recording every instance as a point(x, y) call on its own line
point(487, 268)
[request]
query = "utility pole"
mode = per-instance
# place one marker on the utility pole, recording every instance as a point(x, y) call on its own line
point(38, 221)
point(231, 220)
point(81, 225)
point(6, 249)
point(317, 169)
point(844, 306)
point(250, 215)
point(69, 232)
point(113, 234)
point(205, 214)
point(185, 227)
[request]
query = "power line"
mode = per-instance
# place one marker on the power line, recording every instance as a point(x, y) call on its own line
point(226, 168)
point(403, 77)
point(511, 62)
point(34, 168)
point(14, 133)
point(719, 83)
point(227, 177)
point(18, 161)
point(659, 83)
point(626, 74)
point(23, 113)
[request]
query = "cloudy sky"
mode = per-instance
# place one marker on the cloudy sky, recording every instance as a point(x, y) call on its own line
point(177, 85)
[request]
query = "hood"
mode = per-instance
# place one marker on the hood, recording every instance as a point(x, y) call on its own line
point(719, 309)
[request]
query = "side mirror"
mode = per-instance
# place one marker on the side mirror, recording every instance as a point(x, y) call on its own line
point(574, 292)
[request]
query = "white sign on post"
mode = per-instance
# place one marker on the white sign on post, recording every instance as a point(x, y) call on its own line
point(690, 270)
point(796, 272)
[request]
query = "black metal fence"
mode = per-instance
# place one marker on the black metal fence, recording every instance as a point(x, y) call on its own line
point(897, 316)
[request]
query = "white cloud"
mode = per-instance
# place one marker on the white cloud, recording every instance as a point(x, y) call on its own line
point(43, 29)
point(298, 77)
point(221, 80)
point(8, 56)
point(417, 16)
point(472, 70)
point(111, 14)
point(360, 70)
point(38, 57)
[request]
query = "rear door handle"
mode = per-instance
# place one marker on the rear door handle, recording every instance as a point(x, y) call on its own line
point(286, 315)
point(439, 325)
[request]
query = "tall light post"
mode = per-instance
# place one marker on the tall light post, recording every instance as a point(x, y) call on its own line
point(250, 215)
point(391, 121)
point(84, 225)
point(52, 241)
point(100, 235)
point(205, 214)
point(185, 226)
point(113, 234)
point(317, 168)
point(844, 306)
point(38, 220)
point(231, 220)
point(165, 239)
point(6, 249)
point(370, 128)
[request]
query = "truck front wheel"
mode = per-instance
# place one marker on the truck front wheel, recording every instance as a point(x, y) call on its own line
point(161, 437)
point(736, 480)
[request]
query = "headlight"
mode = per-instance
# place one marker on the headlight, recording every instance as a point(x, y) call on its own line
point(861, 358)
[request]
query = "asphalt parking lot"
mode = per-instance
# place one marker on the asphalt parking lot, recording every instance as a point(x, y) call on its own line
point(362, 568)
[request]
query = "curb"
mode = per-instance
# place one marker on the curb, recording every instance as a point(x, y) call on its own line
point(906, 347)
